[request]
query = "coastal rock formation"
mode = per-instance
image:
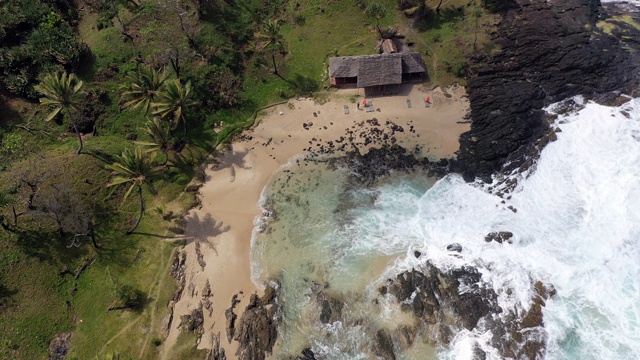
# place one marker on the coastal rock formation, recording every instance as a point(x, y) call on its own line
point(445, 302)
point(257, 329)
point(436, 297)
point(499, 237)
point(549, 51)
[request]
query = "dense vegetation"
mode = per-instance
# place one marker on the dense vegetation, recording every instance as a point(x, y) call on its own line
point(157, 85)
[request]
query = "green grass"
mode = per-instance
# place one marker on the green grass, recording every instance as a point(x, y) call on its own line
point(449, 39)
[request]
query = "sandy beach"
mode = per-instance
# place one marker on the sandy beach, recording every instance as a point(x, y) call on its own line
point(219, 233)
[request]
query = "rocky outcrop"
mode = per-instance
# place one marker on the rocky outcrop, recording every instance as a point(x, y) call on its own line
point(231, 317)
point(216, 352)
point(330, 307)
point(193, 322)
point(549, 51)
point(499, 237)
point(307, 354)
point(445, 302)
point(257, 329)
point(436, 297)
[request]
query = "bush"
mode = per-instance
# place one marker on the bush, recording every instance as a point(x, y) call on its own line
point(132, 297)
point(34, 39)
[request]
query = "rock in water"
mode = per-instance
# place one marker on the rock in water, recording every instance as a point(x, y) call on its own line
point(499, 237)
point(454, 247)
point(307, 354)
point(446, 302)
point(384, 346)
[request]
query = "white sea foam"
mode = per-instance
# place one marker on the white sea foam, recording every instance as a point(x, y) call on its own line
point(576, 227)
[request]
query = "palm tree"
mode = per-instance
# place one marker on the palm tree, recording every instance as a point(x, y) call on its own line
point(272, 37)
point(173, 101)
point(142, 87)
point(161, 140)
point(137, 168)
point(62, 91)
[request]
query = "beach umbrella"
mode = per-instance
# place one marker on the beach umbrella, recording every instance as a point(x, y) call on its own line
point(364, 102)
point(428, 99)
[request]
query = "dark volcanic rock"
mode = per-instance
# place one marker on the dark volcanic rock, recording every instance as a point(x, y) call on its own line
point(307, 354)
point(499, 237)
point(549, 51)
point(330, 306)
point(216, 352)
point(193, 322)
point(384, 346)
point(257, 329)
point(454, 247)
point(445, 302)
point(438, 293)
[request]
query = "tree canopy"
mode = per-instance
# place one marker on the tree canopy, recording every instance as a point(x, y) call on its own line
point(35, 38)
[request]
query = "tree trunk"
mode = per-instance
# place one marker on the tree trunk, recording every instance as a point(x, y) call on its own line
point(438, 7)
point(184, 124)
point(92, 234)
point(5, 226)
point(75, 127)
point(273, 57)
point(141, 212)
point(275, 67)
point(175, 63)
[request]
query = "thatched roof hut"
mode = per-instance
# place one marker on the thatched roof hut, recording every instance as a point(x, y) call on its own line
point(376, 70)
point(388, 47)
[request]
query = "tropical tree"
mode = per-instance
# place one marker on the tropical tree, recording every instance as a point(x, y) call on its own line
point(160, 138)
point(142, 87)
point(62, 92)
point(375, 10)
point(174, 100)
point(136, 168)
point(271, 37)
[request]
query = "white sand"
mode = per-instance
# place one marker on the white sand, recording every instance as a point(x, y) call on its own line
point(224, 224)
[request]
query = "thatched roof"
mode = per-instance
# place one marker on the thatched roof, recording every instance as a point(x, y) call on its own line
point(380, 70)
point(373, 70)
point(388, 47)
point(345, 66)
point(413, 63)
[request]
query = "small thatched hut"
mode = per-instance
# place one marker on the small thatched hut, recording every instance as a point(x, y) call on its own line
point(376, 72)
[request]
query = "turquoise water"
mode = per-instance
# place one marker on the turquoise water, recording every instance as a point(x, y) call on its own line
point(577, 227)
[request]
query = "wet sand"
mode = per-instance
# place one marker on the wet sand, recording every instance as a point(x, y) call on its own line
point(223, 225)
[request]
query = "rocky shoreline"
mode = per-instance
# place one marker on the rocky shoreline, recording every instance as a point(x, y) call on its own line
point(550, 51)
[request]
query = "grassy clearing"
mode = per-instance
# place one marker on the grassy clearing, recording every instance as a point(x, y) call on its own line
point(448, 40)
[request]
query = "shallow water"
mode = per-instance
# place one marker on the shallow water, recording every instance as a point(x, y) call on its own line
point(576, 226)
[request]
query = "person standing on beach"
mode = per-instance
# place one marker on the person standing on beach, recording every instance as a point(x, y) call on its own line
point(358, 105)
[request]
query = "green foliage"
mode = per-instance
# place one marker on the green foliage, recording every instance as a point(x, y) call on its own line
point(11, 143)
point(34, 39)
point(376, 11)
point(142, 87)
point(216, 87)
point(173, 101)
point(132, 297)
point(135, 168)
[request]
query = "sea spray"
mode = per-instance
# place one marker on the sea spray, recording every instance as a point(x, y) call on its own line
point(575, 223)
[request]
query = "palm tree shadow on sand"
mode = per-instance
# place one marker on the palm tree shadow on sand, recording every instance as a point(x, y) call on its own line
point(232, 160)
point(201, 229)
